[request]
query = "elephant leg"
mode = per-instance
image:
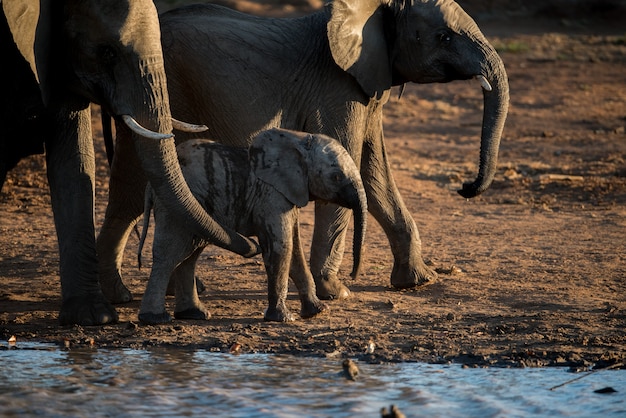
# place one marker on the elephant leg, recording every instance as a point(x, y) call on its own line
point(331, 223)
point(71, 175)
point(126, 191)
point(277, 244)
point(303, 279)
point(188, 305)
point(388, 208)
point(152, 310)
point(170, 248)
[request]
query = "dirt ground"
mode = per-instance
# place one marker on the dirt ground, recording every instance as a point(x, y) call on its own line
point(532, 273)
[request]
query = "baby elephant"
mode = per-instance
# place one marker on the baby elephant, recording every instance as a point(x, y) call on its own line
point(255, 192)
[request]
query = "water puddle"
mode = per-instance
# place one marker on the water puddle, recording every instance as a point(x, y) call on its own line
point(39, 379)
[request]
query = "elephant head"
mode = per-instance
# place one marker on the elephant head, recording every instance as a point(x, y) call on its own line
point(106, 52)
point(390, 42)
point(109, 53)
point(304, 167)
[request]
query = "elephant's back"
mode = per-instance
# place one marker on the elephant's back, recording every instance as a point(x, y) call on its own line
point(190, 13)
point(217, 175)
point(218, 28)
point(237, 73)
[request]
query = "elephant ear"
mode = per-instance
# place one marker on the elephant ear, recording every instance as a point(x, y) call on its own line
point(356, 36)
point(30, 22)
point(277, 158)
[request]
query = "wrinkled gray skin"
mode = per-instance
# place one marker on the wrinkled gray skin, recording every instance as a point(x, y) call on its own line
point(22, 113)
point(330, 72)
point(62, 56)
point(256, 192)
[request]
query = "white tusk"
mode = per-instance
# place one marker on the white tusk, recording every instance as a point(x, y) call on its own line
point(402, 87)
point(140, 130)
point(188, 127)
point(483, 82)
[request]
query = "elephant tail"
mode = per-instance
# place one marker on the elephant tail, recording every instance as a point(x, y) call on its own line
point(147, 208)
point(107, 133)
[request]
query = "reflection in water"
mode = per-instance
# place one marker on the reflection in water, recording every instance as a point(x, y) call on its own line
point(42, 380)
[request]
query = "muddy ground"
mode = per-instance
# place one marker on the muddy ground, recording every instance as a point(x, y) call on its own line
point(531, 273)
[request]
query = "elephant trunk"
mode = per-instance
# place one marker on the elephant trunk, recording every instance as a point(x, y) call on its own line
point(495, 85)
point(359, 208)
point(159, 161)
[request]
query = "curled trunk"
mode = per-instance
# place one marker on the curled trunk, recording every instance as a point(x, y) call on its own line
point(495, 108)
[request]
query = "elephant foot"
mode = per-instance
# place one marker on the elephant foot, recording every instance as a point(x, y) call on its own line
point(312, 308)
point(91, 309)
point(171, 287)
point(148, 318)
point(196, 314)
point(281, 314)
point(329, 288)
point(114, 289)
point(405, 276)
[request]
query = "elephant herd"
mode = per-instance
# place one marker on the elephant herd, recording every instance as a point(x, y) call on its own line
point(293, 108)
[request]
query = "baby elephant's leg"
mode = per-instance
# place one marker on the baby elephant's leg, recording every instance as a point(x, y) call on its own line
point(188, 305)
point(277, 258)
point(152, 309)
point(171, 286)
point(169, 249)
point(303, 279)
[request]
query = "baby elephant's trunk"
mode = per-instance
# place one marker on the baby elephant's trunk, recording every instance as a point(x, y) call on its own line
point(358, 204)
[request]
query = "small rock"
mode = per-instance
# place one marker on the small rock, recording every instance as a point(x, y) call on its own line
point(350, 370)
point(334, 354)
point(451, 270)
point(607, 389)
point(235, 348)
point(511, 174)
point(393, 413)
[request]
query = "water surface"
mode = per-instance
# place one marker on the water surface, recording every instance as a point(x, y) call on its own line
point(38, 379)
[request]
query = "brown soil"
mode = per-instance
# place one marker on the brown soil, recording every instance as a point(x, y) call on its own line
point(531, 273)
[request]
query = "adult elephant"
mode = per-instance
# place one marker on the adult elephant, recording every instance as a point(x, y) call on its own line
point(329, 72)
point(66, 55)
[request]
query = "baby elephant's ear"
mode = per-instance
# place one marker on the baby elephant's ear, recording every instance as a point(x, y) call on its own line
point(276, 157)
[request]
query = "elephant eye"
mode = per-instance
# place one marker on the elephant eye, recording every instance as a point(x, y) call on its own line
point(445, 38)
point(334, 177)
point(417, 35)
